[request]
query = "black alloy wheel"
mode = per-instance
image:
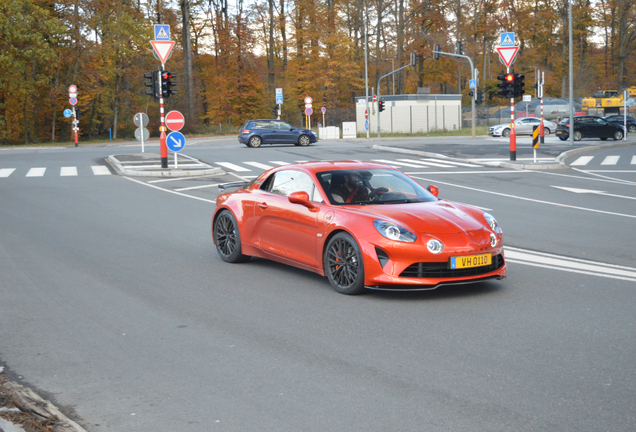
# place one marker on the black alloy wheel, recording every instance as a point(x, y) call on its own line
point(304, 140)
point(343, 265)
point(618, 135)
point(578, 136)
point(227, 238)
point(255, 141)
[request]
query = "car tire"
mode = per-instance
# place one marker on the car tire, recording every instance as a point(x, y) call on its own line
point(578, 136)
point(255, 141)
point(505, 133)
point(562, 138)
point(618, 135)
point(343, 264)
point(546, 131)
point(228, 238)
point(304, 140)
point(631, 128)
point(604, 139)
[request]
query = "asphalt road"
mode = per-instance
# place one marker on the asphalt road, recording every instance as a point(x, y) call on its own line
point(116, 306)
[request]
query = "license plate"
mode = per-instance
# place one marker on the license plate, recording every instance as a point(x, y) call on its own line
point(470, 261)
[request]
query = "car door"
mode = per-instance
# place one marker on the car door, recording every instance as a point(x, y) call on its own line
point(265, 131)
point(284, 133)
point(604, 129)
point(523, 127)
point(288, 230)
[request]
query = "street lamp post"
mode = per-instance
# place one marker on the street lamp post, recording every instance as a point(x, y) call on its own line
point(392, 70)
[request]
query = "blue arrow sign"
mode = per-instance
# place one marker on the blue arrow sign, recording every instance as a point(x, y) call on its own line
point(68, 113)
point(472, 84)
point(162, 32)
point(366, 124)
point(175, 141)
point(507, 39)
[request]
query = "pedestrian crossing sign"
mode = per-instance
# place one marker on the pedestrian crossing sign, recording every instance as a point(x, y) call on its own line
point(507, 39)
point(162, 32)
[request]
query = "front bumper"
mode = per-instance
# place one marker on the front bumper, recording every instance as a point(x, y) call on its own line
point(391, 265)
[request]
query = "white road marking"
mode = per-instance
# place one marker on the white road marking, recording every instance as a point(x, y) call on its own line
point(633, 160)
point(100, 170)
point(6, 172)
point(610, 160)
point(469, 172)
point(233, 167)
point(573, 265)
point(170, 191)
point(198, 187)
point(453, 163)
point(417, 163)
point(530, 199)
point(583, 160)
point(258, 165)
point(590, 191)
point(68, 171)
point(36, 172)
point(393, 163)
point(281, 163)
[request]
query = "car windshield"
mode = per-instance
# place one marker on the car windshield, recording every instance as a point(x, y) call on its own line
point(371, 186)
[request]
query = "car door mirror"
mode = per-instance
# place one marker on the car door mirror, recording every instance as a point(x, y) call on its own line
point(434, 190)
point(302, 198)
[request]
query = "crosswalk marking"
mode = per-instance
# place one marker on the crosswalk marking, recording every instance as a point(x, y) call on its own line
point(280, 163)
point(100, 170)
point(68, 171)
point(6, 172)
point(610, 160)
point(633, 160)
point(583, 160)
point(36, 172)
point(453, 163)
point(258, 165)
point(418, 163)
point(232, 167)
point(394, 163)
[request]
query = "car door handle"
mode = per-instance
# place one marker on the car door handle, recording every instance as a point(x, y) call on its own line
point(263, 206)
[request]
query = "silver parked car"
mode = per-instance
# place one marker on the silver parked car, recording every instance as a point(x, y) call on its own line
point(523, 126)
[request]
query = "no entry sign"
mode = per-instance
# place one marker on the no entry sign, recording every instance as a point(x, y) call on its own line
point(175, 120)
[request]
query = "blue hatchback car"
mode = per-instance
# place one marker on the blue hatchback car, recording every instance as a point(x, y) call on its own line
point(253, 133)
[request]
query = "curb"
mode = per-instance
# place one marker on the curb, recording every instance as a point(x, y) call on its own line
point(117, 166)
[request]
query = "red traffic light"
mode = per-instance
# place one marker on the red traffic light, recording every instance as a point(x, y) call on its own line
point(510, 77)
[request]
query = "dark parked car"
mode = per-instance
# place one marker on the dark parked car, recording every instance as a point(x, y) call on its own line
point(253, 133)
point(619, 119)
point(589, 127)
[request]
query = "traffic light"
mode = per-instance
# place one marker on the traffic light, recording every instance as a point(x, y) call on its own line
point(168, 81)
point(507, 85)
point(460, 50)
point(436, 52)
point(152, 83)
point(78, 113)
point(275, 111)
point(480, 97)
point(519, 84)
point(414, 59)
point(471, 94)
point(381, 106)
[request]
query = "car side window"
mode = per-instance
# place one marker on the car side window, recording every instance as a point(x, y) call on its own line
point(278, 125)
point(289, 181)
point(263, 125)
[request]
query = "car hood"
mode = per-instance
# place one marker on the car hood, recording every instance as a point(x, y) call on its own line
point(436, 217)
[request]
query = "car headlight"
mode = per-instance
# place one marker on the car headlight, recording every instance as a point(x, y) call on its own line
point(493, 240)
point(394, 232)
point(492, 222)
point(435, 246)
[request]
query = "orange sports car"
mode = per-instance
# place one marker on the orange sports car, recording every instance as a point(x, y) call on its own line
point(361, 224)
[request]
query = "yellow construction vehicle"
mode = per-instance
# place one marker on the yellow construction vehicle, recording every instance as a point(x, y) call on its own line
point(606, 102)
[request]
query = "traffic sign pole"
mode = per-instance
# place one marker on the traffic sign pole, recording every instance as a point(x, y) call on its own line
point(162, 136)
point(513, 134)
